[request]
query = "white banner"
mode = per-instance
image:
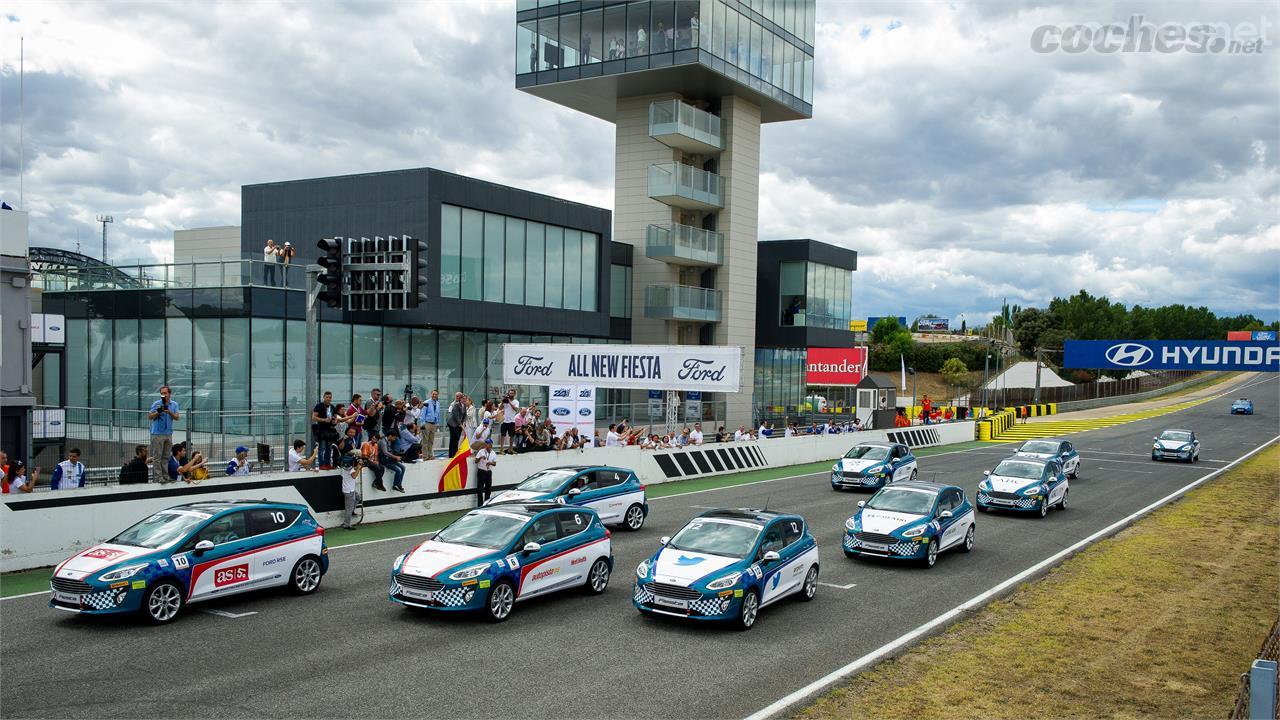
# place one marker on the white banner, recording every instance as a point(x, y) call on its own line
point(713, 368)
point(560, 410)
point(585, 410)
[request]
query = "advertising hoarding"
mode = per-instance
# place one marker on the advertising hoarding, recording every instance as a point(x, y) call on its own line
point(1172, 355)
point(709, 368)
point(835, 366)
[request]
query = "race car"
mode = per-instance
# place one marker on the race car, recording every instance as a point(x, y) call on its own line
point(1024, 484)
point(1176, 445)
point(194, 552)
point(911, 521)
point(615, 494)
point(873, 465)
point(495, 556)
point(1060, 450)
point(726, 565)
point(1243, 406)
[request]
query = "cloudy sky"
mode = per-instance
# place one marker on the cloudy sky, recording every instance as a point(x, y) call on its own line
point(963, 166)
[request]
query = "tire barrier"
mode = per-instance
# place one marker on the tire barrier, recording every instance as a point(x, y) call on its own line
point(990, 427)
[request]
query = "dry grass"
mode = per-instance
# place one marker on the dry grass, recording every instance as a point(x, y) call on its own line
point(1158, 621)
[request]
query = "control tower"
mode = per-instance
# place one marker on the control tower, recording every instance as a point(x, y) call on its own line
point(687, 84)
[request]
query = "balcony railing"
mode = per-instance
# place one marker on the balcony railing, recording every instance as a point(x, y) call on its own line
point(669, 301)
point(684, 245)
point(684, 186)
point(194, 273)
point(680, 125)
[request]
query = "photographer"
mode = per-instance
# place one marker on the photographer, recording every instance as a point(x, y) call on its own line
point(373, 413)
point(324, 429)
point(287, 254)
point(163, 412)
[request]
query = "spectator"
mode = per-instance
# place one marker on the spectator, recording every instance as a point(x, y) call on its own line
point(15, 478)
point(790, 430)
point(510, 408)
point(884, 402)
point(722, 435)
point(198, 468)
point(695, 435)
point(69, 473)
point(391, 461)
point(482, 433)
point(350, 484)
point(901, 419)
point(623, 426)
point(270, 256)
point(239, 465)
point(472, 420)
point(612, 439)
point(429, 422)
point(355, 415)
point(409, 444)
point(597, 440)
point(324, 430)
point(413, 413)
point(763, 431)
point(287, 254)
point(857, 424)
point(741, 434)
point(392, 417)
point(682, 439)
point(297, 461)
point(178, 467)
point(925, 405)
point(163, 412)
point(543, 436)
point(948, 416)
point(830, 428)
point(349, 448)
point(136, 470)
point(369, 456)
point(649, 443)
point(373, 413)
point(457, 416)
point(485, 459)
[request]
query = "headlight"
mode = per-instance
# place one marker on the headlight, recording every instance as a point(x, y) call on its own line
point(916, 531)
point(851, 523)
point(122, 573)
point(469, 573)
point(642, 570)
point(984, 485)
point(399, 562)
point(725, 582)
point(835, 468)
point(1035, 490)
point(1156, 446)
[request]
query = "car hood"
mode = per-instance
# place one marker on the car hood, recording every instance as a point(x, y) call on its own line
point(1000, 483)
point(1171, 444)
point(510, 495)
point(682, 567)
point(431, 557)
point(1038, 456)
point(857, 465)
point(100, 558)
point(1241, 404)
point(884, 522)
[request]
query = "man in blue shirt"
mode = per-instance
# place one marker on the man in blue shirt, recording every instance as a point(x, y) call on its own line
point(178, 467)
point(69, 473)
point(163, 412)
point(239, 465)
point(430, 419)
point(409, 444)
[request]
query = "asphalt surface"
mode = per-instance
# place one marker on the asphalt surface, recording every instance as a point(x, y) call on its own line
point(349, 652)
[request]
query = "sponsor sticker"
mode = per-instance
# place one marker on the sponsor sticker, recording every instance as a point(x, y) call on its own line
point(737, 593)
point(484, 584)
point(139, 584)
point(231, 575)
point(180, 562)
point(120, 584)
point(162, 562)
point(513, 562)
point(103, 553)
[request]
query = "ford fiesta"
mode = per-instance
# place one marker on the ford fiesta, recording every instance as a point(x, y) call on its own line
point(1024, 484)
point(726, 565)
point(615, 494)
point(873, 465)
point(911, 521)
point(1176, 445)
point(191, 553)
point(1061, 450)
point(493, 557)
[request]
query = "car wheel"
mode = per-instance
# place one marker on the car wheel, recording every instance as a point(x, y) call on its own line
point(634, 518)
point(305, 577)
point(597, 577)
point(968, 540)
point(502, 598)
point(1044, 507)
point(162, 603)
point(810, 584)
point(748, 611)
point(1062, 504)
point(931, 555)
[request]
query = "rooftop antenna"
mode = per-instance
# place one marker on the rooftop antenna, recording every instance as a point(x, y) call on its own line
point(104, 219)
point(22, 87)
point(766, 502)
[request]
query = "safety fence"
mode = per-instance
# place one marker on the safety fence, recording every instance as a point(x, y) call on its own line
point(1245, 696)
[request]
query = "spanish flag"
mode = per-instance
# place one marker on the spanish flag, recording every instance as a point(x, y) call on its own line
point(454, 476)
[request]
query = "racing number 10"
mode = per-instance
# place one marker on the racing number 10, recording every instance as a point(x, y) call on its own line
point(277, 517)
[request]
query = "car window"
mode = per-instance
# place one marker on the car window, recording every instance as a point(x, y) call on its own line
point(956, 498)
point(772, 539)
point(265, 520)
point(542, 531)
point(225, 529)
point(572, 523)
point(791, 531)
point(609, 478)
point(584, 481)
point(900, 452)
point(1067, 447)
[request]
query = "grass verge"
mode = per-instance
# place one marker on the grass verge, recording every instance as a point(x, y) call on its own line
point(1158, 621)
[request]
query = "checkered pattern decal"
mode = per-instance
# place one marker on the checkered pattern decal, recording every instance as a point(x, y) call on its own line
point(449, 597)
point(642, 595)
point(708, 606)
point(100, 600)
point(898, 548)
point(1023, 503)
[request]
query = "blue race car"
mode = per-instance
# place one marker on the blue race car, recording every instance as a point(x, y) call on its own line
point(1061, 450)
point(911, 521)
point(191, 553)
point(615, 494)
point(873, 465)
point(495, 556)
point(1243, 406)
point(1024, 484)
point(1176, 445)
point(727, 564)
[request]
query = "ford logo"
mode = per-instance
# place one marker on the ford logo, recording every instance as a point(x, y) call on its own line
point(585, 412)
point(561, 411)
point(1129, 354)
point(55, 328)
point(55, 423)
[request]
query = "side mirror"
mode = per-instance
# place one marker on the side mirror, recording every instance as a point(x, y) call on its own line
point(944, 514)
point(531, 547)
point(771, 556)
point(1155, 438)
point(862, 503)
point(664, 540)
point(574, 491)
point(203, 546)
point(986, 473)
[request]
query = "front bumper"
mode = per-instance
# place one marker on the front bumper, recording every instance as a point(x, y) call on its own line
point(1024, 503)
point(1171, 455)
point(911, 549)
point(452, 596)
point(102, 599)
point(1241, 411)
point(842, 482)
point(722, 605)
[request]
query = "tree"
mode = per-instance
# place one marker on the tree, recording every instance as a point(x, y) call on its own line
point(954, 371)
point(1029, 328)
point(885, 330)
point(964, 327)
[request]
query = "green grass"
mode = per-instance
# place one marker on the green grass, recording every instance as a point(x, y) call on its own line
point(27, 581)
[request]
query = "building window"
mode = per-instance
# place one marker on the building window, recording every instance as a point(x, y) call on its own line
point(620, 291)
point(792, 297)
point(815, 295)
point(450, 251)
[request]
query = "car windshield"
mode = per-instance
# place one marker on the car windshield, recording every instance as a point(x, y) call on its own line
point(484, 529)
point(723, 537)
point(1039, 446)
point(1015, 469)
point(868, 452)
point(546, 480)
point(903, 500)
point(161, 530)
point(1176, 435)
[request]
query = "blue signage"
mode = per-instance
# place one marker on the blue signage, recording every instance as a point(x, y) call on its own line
point(1172, 355)
point(871, 322)
point(693, 395)
point(1259, 335)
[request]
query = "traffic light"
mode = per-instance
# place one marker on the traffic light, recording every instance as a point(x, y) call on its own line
point(331, 277)
point(417, 271)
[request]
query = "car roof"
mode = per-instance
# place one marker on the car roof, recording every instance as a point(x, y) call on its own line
point(218, 506)
point(532, 508)
point(1027, 458)
point(919, 485)
point(1193, 432)
point(1055, 440)
point(878, 443)
point(749, 514)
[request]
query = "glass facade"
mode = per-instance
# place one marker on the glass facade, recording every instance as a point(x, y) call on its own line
point(815, 295)
point(781, 391)
point(765, 44)
point(500, 259)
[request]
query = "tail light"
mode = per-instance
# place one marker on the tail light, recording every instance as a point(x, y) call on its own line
point(319, 529)
point(642, 487)
point(607, 534)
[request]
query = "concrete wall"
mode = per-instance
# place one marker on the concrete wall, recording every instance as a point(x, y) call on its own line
point(739, 221)
point(46, 527)
point(210, 242)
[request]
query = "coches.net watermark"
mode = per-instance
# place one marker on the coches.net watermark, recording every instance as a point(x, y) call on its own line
point(1140, 36)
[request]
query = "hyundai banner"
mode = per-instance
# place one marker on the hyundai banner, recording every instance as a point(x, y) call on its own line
point(710, 368)
point(835, 366)
point(1172, 355)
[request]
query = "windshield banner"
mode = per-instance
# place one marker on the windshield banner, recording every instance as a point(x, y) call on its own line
point(713, 368)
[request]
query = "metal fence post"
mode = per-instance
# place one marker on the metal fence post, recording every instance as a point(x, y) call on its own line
point(1262, 690)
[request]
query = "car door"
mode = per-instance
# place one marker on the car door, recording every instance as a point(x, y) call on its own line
point(601, 494)
point(908, 462)
point(280, 544)
point(1069, 457)
point(1054, 478)
point(226, 568)
point(773, 573)
point(546, 569)
point(952, 528)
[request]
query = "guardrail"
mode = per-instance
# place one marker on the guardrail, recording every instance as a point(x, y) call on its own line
point(1257, 698)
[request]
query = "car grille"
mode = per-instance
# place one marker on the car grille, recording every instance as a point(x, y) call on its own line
point(1001, 495)
point(71, 586)
point(674, 591)
point(876, 538)
point(417, 582)
point(852, 474)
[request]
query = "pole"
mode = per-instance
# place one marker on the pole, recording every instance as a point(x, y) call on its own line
point(986, 371)
point(1036, 399)
point(313, 332)
point(22, 120)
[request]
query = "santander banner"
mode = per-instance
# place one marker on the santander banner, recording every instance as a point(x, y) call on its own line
point(835, 366)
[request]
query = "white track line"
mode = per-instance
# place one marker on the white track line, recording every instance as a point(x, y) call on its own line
point(784, 703)
point(1126, 470)
point(225, 614)
point(838, 587)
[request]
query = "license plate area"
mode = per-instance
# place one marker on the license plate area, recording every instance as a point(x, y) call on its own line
point(875, 547)
point(426, 595)
point(67, 598)
point(671, 602)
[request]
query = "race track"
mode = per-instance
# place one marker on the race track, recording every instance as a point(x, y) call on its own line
point(347, 651)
